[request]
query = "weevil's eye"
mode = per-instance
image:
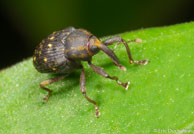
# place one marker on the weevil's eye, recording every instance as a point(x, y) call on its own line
point(93, 46)
point(94, 49)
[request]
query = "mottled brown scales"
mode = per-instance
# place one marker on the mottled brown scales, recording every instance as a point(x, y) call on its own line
point(41, 45)
point(48, 51)
point(66, 50)
point(36, 51)
point(62, 53)
point(83, 55)
point(62, 49)
point(40, 52)
point(74, 56)
point(79, 48)
point(86, 32)
point(51, 38)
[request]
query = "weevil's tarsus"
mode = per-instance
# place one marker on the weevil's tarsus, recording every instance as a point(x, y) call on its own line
point(101, 72)
point(141, 62)
point(48, 82)
point(83, 90)
point(119, 40)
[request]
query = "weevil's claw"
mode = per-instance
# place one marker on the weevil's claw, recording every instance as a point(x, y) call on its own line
point(131, 61)
point(138, 40)
point(97, 112)
point(125, 85)
point(146, 62)
point(45, 99)
point(123, 68)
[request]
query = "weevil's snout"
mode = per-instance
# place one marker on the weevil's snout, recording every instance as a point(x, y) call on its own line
point(111, 54)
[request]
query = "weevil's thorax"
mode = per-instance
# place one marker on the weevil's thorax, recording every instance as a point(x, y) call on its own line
point(80, 45)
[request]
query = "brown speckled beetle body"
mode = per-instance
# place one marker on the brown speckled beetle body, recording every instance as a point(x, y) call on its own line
point(62, 53)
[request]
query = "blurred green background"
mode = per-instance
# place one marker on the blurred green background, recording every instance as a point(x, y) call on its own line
point(24, 23)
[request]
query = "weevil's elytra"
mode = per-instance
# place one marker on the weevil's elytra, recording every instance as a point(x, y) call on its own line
point(62, 53)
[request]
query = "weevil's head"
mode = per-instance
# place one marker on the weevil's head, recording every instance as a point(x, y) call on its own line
point(93, 45)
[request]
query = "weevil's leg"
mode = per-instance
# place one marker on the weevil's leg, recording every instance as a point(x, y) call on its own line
point(48, 82)
point(119, 40)
point(83, 90)
point(101, 72)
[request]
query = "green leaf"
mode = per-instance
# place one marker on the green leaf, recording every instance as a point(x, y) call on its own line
point(159, 99)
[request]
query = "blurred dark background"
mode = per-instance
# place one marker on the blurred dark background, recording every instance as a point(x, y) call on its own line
point(24, 23)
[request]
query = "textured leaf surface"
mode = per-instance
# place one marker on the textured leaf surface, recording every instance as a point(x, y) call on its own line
point(160, 96)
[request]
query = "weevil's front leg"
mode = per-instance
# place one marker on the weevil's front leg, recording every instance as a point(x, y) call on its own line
point(101, 72)
point(48, 82)
point(119, 40)
point(83, 90)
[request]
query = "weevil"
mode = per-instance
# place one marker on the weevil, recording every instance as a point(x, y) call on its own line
point(63, 51)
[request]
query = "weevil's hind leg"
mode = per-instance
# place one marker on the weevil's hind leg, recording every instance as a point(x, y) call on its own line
point(101, 72)
point(119, 40)
point(48, 82)
point(83, 90)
